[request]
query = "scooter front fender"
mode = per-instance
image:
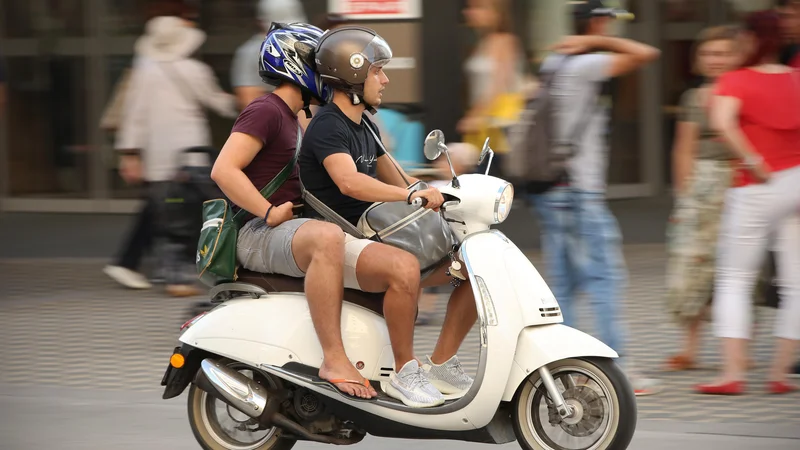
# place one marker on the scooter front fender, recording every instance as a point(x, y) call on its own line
point(541, 345)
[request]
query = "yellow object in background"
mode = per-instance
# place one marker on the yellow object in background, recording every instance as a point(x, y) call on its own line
point(503, 113)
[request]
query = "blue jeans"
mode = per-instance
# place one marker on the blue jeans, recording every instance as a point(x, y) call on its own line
point(582, 247)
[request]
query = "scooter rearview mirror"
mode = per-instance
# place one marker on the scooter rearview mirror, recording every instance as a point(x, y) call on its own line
point(433, 144)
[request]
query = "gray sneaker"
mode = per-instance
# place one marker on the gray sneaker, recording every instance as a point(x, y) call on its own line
point(448, 378)
point(410, 386)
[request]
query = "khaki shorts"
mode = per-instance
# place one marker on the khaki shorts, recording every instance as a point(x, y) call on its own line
point(266, 249)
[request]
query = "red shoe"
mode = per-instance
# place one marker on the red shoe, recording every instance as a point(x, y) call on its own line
point(779, 387)
point(731, 388)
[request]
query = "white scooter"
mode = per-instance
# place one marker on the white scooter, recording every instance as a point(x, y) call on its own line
point(253, 360)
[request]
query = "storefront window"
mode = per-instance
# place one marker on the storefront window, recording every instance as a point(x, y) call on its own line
point(47, 133)
point(229, 17)
point(17, 19)
point(25, 19)
point(685, 10)
point(124, 17)
point(625, 149)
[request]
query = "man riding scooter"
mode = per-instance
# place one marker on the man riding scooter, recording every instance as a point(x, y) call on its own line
point(343, 164)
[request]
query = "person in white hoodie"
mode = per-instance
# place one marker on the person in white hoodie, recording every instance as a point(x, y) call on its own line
point(246, 82)
point(163, 115)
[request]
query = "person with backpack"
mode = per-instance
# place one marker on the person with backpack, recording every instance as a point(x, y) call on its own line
point(562, 143)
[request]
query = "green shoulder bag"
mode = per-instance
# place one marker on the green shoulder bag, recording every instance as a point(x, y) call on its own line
point(216, 250)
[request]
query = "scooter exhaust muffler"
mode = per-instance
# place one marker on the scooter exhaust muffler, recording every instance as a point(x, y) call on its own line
point(231, 387)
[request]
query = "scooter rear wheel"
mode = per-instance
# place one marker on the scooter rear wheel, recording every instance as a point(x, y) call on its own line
point(215, 424)
point(599, 393)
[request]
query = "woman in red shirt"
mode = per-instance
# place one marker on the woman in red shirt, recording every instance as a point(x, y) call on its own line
point(757, 111)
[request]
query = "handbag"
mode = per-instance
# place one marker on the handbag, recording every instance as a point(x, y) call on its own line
point(422, 232)
point(216, 250)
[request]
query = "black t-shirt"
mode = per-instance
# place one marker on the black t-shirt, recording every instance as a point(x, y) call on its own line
point(331, 132)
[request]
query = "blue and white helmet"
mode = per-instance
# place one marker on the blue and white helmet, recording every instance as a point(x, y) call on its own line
point(285, 55)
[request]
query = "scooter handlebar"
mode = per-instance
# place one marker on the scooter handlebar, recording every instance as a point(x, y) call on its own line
point(419, 201)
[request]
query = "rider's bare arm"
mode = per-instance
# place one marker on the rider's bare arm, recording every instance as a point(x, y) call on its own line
point(388, 172)
point(343, 172)
point(228, 173)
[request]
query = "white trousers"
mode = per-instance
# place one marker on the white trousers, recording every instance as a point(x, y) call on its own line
point(753, 217)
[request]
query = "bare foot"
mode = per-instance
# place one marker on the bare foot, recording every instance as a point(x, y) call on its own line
point(356, 385)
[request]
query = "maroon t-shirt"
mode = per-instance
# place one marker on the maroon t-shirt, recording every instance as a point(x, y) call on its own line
point(270, 119)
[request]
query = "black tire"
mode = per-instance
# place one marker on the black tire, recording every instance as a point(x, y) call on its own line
point(208, 433)
point(621, 425)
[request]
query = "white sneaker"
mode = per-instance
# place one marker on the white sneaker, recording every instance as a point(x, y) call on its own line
point(127, 277)
point(449, 377)
point(411, 387)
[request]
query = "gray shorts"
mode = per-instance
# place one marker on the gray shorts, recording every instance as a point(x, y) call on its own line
point(266, 249)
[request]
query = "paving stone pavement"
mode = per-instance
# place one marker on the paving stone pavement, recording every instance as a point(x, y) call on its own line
point(64, 323)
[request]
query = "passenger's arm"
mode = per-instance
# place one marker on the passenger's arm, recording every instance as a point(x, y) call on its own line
point(228, 173)
point(255, 126)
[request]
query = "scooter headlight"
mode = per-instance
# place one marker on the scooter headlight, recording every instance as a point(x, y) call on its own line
point(502, 206)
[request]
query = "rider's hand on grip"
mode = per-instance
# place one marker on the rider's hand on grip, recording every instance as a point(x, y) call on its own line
point(430, 198)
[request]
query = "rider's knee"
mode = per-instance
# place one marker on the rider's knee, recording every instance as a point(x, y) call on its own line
point(329, 240)
point(405, 273)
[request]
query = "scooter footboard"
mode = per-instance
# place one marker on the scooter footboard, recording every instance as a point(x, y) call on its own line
point(538, 346)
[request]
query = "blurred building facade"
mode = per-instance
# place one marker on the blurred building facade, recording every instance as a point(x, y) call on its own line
point(63, 59)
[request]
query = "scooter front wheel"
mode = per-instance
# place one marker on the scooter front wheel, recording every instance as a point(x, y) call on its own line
point(601, 400)
point(217, 426)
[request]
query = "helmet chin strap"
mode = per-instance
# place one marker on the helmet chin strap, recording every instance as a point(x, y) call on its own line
point(358, 99)
point(307, 103)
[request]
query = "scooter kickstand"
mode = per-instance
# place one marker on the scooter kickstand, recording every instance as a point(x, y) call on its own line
point(564, 410)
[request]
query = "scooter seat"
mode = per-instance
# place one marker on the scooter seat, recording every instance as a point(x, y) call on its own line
point(273, 283)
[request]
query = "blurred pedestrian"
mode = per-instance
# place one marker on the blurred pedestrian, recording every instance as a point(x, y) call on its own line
point(756, 109)
point(163, 115)
point(702, 170)
point(495, 77)
point(789, 11)
point(581, 240)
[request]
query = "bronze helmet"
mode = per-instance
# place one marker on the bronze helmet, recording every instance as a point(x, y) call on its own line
point(344, 56)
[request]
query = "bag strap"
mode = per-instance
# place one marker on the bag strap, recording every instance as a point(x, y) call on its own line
point(377, 139)
point(281, 177)
point(323, 209)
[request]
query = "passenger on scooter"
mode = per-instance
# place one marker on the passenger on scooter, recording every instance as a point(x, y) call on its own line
point(342, 164)
point(263, 141)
